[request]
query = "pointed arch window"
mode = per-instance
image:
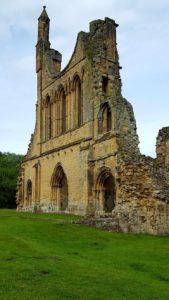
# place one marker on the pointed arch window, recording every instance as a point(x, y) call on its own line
point(48, 118)
point(63, 99)
point(104, 118)
point(78, 97)
point(61, 111)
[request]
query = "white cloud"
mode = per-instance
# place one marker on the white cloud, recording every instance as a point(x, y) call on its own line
point(25, 64)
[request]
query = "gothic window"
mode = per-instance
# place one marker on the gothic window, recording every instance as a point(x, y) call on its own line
point(48, 118)
point(104, 118)
point(78, 101)
point(58, 114)
point(63, 99)
point(61, 111)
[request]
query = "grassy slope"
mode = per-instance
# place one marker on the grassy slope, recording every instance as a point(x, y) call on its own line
point(49, 259)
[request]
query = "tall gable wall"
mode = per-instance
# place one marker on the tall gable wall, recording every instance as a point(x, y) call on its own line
point(83, 157)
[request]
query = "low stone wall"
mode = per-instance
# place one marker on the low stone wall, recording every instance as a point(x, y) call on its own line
point(109, 224)
point(131, 222)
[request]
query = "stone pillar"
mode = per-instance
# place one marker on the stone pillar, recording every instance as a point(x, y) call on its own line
point(162, 151)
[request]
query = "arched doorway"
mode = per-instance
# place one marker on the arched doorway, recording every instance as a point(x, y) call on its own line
point(109, 194)
point(105, 196)
point(64, 194)
point(59, 188)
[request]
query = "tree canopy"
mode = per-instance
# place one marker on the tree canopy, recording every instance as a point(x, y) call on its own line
point(9, 168)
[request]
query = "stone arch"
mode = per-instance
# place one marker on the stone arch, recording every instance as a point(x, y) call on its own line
point(74, 79)
point(59, 188)
point(105, 191)
point(29, 192)
point(78, 99)
point(59, 90)
point(61, 110)
point(104, 118)
point(64, 110)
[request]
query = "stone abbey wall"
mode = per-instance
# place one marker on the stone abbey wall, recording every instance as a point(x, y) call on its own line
point(83, 157)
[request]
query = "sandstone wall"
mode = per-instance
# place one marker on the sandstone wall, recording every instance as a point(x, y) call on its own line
point(93, 166)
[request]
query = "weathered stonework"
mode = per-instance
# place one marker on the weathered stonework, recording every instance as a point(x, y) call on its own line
point(83, 157)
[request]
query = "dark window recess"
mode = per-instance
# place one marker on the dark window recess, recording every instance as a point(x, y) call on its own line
point(109, 125)
point(104, 84)
point(104, 119)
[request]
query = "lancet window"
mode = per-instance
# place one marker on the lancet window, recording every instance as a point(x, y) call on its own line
point(104, 118)
point(48, 118)
point(78, 101)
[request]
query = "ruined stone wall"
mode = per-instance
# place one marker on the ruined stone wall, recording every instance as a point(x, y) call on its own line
point(93, 166)
point(162, 150)
point(142, 204)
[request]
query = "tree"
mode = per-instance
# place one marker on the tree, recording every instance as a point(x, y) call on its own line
point(9, 168)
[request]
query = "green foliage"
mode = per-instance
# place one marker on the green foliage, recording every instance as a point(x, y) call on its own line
point(54, 259)
point(9, 167)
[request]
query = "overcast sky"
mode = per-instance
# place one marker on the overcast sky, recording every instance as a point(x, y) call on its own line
point(143, 46)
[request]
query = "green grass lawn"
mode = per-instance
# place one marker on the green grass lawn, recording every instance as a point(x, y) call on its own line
point(43, 257)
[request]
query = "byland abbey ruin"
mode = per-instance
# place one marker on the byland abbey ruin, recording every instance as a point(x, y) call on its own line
point(83, 157)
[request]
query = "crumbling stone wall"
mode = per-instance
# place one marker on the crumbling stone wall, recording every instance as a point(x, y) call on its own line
point(143, 199)
point(162, 150)
point(91, 165)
